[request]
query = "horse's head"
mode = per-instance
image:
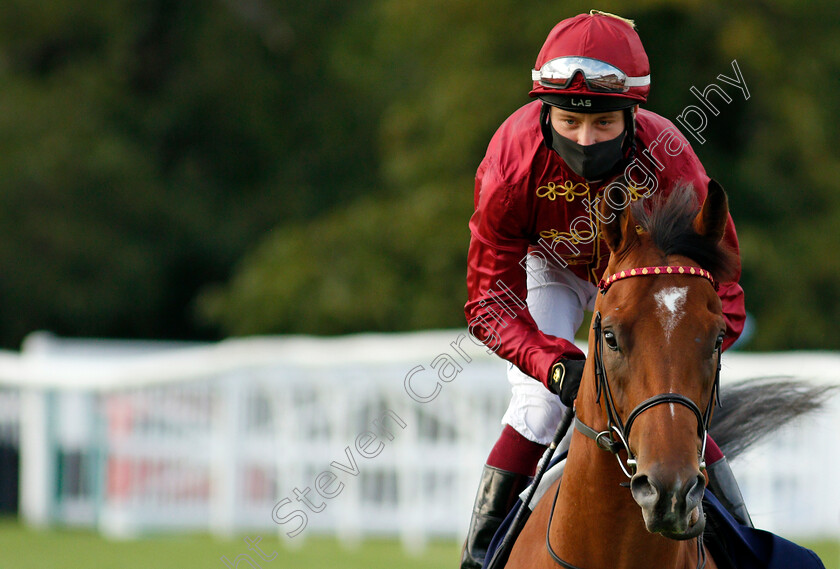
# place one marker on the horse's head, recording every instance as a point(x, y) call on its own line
point(655, 348)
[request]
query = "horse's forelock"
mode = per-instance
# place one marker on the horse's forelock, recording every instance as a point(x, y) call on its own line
point(670, 222)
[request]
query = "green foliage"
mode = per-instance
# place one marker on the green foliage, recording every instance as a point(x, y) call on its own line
point(194, 169)
point(376, 265)
point(148, 144)
point(446, 77)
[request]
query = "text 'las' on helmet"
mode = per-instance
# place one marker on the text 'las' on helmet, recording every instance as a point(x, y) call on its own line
point(592, 62)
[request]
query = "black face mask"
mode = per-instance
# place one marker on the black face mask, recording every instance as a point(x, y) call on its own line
point(591, 162)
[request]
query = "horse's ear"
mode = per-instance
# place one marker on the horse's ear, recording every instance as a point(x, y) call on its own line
point(711, 221)
point(611, 226)
point(619, 227)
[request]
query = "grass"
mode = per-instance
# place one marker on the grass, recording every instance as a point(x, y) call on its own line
point(828, 551)
point(22, 548)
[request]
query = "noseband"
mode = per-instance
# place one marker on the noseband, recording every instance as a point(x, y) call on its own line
point(621, 429)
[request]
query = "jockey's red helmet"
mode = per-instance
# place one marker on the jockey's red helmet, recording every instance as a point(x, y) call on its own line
point(595, 57)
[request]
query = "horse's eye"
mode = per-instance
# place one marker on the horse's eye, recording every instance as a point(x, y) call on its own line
point(609, 339)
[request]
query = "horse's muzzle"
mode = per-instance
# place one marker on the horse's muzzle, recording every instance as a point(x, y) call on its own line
point(674, 510)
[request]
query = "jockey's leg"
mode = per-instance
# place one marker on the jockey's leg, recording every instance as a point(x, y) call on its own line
point(556, 300)
point(723, 485)
point(513, 460)
point(509, 468)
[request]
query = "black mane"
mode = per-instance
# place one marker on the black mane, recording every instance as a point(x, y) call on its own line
point(670, 222)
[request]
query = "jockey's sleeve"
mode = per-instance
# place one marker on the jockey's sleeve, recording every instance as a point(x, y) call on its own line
point(731, 294)
point(688, 168)
point(496, 282)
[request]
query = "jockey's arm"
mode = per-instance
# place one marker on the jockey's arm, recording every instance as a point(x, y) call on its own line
point(731, 294)
point(687, 168)
point(496, 285)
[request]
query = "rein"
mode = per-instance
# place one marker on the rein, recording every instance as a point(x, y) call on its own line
point(615, 426)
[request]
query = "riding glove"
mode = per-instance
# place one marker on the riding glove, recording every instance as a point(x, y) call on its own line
point(565, 379)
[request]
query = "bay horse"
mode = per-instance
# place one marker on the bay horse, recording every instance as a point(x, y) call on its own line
point(647, 394)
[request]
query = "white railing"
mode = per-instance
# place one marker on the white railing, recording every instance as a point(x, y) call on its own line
point(361, 435)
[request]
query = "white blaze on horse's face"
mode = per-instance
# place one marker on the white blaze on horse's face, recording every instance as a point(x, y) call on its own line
point(670, 301)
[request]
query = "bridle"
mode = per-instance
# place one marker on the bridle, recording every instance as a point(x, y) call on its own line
point(621, 429)
point(616, 427)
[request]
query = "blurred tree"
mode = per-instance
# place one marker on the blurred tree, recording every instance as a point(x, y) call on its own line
point(150, 147)
point(147, 144)
point(446, 76)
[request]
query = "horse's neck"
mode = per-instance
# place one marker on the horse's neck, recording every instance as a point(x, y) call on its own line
point(598, 525)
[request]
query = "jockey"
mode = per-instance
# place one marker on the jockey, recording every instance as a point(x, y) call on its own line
point(535, 257)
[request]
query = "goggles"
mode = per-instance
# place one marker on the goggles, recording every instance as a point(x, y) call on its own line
point(600, 77)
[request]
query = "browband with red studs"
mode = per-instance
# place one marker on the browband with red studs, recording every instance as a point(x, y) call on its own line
point(605, 283)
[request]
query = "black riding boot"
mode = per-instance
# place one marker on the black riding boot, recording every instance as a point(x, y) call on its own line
point(723, 485)
point(497, 493)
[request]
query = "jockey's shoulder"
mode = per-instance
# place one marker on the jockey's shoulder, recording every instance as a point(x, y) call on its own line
point(650, 125)
point(516, 148)
point(656, 131)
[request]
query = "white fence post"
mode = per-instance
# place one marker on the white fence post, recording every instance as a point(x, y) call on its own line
point(224, 466)
point(37, 457)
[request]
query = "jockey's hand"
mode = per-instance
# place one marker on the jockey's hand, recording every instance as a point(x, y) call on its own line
point(565, 379)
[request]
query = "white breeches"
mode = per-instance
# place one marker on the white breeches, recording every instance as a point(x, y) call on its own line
point(556, 300)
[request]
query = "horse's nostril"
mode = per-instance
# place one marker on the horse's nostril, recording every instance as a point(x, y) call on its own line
point(695, 492)
point(644, 492)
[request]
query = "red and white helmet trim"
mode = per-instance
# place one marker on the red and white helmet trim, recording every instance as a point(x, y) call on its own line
point(603, 49)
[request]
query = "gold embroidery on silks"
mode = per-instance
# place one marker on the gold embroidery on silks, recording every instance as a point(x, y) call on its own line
point(573, 238)
point(555, 235)
point(637, 192)
point(570, 191)
point(566, 190)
